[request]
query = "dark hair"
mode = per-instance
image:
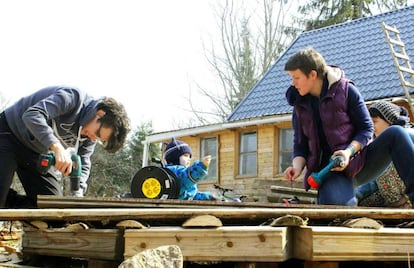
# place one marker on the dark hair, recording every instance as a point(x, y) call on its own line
point(307, 60)
point(117, 119)
point(391, 113)
point(373, 112)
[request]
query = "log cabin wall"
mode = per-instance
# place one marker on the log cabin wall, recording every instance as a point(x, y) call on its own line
point(257, 186)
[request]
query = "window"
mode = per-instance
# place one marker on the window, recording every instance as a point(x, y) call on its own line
point(248, 153)
point(285, 148)
point(209, 147)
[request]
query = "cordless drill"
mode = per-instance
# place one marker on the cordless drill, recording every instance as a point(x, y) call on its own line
point(316, 178)
point(48, 160)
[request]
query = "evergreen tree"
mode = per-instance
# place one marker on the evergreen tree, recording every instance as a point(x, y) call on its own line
point(329, 12)
point(111, 174)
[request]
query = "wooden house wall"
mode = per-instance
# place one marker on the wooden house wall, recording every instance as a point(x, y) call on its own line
point(267, 159)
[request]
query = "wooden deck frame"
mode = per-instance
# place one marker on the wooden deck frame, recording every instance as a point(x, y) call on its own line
point(312, 243)
point(230, 243)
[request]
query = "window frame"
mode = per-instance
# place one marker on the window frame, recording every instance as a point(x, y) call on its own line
point(214, 158)
point(283, 151)
point(240, 154)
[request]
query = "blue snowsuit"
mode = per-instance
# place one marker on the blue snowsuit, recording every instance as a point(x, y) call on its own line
point(188, 178)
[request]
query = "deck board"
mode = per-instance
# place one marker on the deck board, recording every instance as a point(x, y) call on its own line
point(237, 243)
point(350, 244)
point(233, 214)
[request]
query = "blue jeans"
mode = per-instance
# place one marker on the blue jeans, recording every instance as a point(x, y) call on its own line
point(337, 189)
point(394, 144)
point(366, 189)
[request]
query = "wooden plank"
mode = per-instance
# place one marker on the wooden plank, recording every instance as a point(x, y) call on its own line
point(351, 244)
point(50, 201)
point(234, 214)
point(239, 243)
point(103, 244)
point(293, 191)
point(278, 193)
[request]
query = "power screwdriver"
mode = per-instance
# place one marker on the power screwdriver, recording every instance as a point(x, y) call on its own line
point(48, 160)
point(316, 178)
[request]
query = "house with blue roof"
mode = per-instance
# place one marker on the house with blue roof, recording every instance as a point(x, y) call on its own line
point(359, 47)
point(253, 147)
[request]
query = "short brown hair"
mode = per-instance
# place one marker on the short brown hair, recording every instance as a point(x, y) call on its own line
point(307, 60)
point(117, 119)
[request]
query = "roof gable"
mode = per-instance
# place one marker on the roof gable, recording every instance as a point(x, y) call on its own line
point(359, 47)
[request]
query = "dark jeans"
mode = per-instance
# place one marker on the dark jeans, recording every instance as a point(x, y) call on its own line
point(14, 157)
point(337, 189)
point(394, 144)
point(370, 187)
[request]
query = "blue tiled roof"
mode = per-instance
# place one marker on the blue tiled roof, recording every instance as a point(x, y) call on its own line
point(359, 47)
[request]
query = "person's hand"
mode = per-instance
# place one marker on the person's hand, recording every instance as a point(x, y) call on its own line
point(346, 154)
point(292, 173)
point(206, 160)
point(63, 161)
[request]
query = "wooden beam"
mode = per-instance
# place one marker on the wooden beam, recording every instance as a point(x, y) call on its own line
point(239, 243)
point(103, 244)
point(351, 244)
point(50, 201)
point(250, 214)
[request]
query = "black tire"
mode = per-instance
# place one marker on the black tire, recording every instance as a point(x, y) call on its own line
point(175, 193)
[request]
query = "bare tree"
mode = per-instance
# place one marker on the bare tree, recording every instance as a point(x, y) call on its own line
point(252, 35)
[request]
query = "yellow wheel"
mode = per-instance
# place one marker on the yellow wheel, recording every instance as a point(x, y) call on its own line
point(151, 188)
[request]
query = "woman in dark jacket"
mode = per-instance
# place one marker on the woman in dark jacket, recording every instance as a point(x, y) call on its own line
point(330, 118)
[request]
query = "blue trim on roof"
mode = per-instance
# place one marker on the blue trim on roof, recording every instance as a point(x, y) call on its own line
point(358, 46)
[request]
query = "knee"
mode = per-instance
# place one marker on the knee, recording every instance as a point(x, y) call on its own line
point(395, 130)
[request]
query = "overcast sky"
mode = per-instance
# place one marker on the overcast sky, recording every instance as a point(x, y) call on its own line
point(144, 53)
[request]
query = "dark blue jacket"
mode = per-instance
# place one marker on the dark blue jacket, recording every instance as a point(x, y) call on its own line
point(55, 114)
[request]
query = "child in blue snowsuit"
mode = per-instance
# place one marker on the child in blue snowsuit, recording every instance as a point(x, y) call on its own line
point(178, 157)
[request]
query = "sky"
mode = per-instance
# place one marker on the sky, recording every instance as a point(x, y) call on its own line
point(145, 54)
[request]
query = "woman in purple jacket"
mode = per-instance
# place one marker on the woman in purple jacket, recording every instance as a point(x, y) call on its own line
point(329, 119)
